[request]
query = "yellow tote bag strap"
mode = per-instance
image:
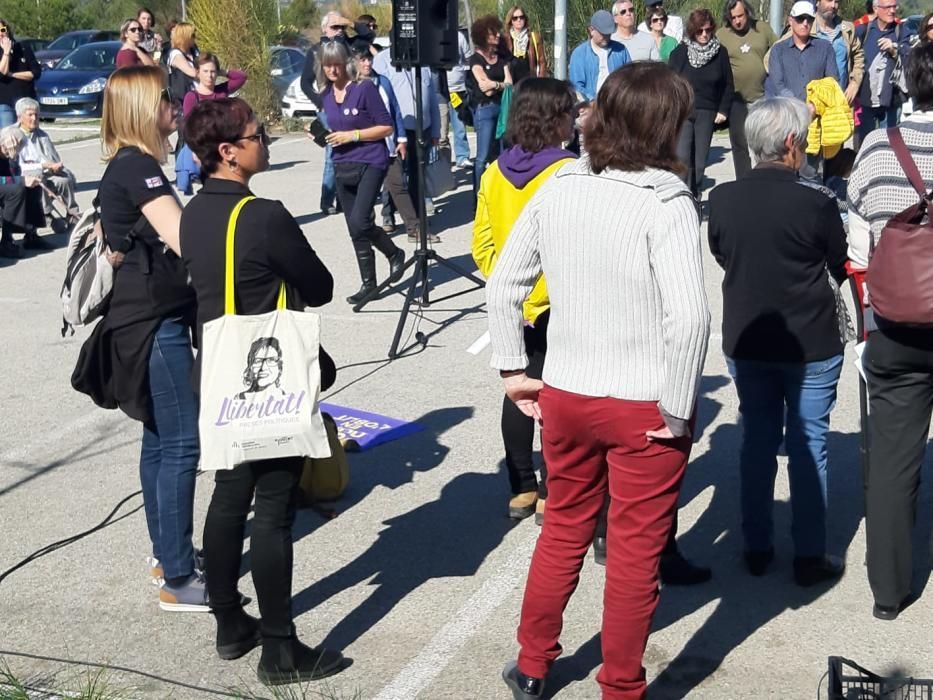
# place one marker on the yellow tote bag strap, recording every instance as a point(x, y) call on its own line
point(230, 264)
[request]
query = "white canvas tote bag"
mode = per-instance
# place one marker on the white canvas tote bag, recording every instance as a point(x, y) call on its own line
point(260, 380)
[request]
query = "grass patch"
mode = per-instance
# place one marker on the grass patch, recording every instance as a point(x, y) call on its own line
point(88, 685)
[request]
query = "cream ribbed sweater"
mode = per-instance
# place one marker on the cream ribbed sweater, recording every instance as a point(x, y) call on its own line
point(621, 254)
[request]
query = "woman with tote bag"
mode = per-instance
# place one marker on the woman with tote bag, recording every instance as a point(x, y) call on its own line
point(233, 241)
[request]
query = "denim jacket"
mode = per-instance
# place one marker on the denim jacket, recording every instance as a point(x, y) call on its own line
point(584, 66)
point(391, 103)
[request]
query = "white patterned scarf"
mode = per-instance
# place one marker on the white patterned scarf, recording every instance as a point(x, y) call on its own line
point(520, 43)
point(699, 55)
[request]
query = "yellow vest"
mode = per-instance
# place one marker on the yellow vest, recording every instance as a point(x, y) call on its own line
point(498, 205)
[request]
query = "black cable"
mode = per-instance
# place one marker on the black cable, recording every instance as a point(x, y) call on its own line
point(48, 549)
point(819, 685)
point(123, 669)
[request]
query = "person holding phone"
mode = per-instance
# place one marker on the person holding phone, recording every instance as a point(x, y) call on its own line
point(19, 71)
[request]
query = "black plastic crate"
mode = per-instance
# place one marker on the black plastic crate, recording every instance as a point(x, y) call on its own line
point(849, 681)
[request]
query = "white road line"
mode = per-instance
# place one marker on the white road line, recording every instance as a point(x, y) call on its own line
point(453, 636)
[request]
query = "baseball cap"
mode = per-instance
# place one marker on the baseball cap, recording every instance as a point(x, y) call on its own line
point(602, 22)
point(802, 8)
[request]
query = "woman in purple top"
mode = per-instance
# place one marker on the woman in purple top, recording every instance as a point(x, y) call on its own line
point(360, 124)
point(206, 87)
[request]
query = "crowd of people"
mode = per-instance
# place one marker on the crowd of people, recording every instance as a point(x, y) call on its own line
point(584, 189)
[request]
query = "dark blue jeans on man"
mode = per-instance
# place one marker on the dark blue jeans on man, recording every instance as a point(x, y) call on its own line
point(328, 179)
point(789, 402)
point(170, 450)
point(876, 118)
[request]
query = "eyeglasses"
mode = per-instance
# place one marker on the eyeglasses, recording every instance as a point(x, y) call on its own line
point(930, 26)
point(3, 30)
point(803, 19)
point(134, 30)
point(337, 28)
point(625, 11)
point(259, 137)
point(662, 20)
point(515, 17)
point(705, 30)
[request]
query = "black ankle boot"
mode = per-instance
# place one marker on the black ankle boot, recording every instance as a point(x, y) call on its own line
point(394, 254)
point(237, 633)
point(287, 660)
point(366, 260)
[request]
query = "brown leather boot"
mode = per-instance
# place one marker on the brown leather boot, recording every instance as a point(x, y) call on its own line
point(523, 505)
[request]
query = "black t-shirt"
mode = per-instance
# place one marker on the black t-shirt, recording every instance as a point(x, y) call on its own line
point(494, 71)
point(152, 282)
point(12, 89)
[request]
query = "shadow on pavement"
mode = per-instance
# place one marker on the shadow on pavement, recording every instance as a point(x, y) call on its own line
point(450, 536)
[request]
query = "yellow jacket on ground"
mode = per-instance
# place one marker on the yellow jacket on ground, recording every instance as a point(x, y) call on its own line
point(498, 205)
point(832, 124)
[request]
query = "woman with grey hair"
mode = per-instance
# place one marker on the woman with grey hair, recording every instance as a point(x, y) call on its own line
point(359, 124)
point(38, 156)
point(780, 332)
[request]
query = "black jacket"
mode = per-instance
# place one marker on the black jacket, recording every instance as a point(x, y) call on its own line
point(270, 248)
point(12, 89)
point(776, 238)
point(712, 84)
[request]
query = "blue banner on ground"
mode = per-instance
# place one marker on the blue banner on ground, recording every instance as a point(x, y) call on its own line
point(359, 430)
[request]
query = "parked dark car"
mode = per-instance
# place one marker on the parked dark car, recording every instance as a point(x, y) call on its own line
point(75, 86)
point(287, 64)
point(69, 41)
point(36, 45)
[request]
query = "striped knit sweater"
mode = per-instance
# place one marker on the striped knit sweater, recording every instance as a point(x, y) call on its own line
point(621, 254)
point(878, 188)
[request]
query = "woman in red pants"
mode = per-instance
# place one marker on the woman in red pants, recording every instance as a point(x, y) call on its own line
point(617, 236)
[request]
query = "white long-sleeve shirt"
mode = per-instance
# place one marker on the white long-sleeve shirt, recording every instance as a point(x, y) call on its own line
point(621, 255)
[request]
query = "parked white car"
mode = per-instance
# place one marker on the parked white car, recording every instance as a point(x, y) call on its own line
point(295, 104)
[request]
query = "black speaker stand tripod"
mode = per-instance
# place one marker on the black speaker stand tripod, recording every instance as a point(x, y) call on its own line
point(423, 256)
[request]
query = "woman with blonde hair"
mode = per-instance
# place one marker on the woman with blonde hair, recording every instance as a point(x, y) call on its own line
point(525, 45)
point(182, 70)
point(139, 356)
point(132, 53)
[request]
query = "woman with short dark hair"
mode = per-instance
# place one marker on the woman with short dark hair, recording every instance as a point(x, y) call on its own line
point(541, 119)
point(704, 63)
point(621, 377)
point(270, 249)
point(657, 22)
point(926, 29)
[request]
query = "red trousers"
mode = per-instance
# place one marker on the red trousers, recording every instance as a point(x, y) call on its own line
point(591, 444)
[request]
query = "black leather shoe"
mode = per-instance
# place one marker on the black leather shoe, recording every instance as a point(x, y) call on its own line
point(599, 550)
point(523, 687)
point(397, 265)
point(890, 612)
point(237, 633)
point(676, 570)
point(297, 664)
point(757, 561)
point(809, 571)
point(33, 241)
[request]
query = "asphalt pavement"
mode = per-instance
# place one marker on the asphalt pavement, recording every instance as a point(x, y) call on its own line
point(419, 578)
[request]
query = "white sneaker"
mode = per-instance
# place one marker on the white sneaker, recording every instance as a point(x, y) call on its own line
point(465, 163)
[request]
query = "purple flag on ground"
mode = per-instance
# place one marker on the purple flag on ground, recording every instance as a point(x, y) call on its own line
point(359, 430)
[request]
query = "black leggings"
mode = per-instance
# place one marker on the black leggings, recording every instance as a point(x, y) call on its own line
point(518, 430)
point(358, 188)
point(274, 483)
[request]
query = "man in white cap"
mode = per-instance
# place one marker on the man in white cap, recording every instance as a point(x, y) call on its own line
point(793, 64)
point(593, 60)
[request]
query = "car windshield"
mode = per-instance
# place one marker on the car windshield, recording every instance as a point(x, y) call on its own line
point(67, 42)
point(89, 58)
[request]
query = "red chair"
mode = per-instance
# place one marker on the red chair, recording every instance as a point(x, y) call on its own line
point(857, 285)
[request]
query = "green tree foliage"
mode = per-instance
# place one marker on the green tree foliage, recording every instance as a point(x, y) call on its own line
point(240, 32)
point(302, 14)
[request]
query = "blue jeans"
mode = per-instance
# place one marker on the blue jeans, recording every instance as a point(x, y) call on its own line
point(877, 118)
point(789, 401)
point(328, 179)
point(485, 118)
point(170, 450)
point(461, 145)
point(7, 116)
